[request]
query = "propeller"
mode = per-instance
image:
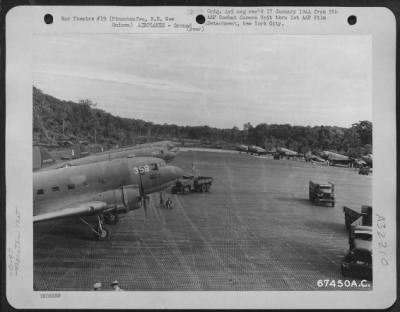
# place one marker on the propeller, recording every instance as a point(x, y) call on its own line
point(142, 194)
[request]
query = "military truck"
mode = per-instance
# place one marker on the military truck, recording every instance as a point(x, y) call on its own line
point(189, 184)
point(363, 170)
point(322, 193)
point(358, 260)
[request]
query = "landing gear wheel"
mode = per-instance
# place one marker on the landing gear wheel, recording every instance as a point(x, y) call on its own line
point(207, 187)
point(333, 204)
point(102, 233)
point(204, 188)
point(111, 218)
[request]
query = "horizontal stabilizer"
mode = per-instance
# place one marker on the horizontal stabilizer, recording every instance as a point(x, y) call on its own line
point(84, 209)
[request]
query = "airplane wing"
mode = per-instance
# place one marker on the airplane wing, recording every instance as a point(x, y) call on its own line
point(82, 209)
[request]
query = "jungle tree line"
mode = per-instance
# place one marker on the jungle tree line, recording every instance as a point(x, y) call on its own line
point(55, 120)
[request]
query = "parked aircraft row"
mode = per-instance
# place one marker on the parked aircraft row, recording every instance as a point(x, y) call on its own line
point(328, 157)
point(102, 189)
point(101, 185)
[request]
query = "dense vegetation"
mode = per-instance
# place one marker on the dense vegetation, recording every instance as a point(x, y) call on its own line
point(55, 120)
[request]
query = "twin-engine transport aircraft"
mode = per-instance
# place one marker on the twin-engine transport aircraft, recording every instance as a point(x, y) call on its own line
point(158, 152)
point(368, 159)
point(242, 148)
point(285, 152)
point(251, 149)
point(335, 158)
point(165, 144)
point(102, 189)
point(257, 150)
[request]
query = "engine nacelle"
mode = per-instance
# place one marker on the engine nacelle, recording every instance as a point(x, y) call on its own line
point(123, 199)
point(130, 197)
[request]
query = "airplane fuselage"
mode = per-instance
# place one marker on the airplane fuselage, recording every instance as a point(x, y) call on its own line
point(103, 181)
point(117, 154)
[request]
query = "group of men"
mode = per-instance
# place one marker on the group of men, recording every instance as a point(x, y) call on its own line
point(115, 285)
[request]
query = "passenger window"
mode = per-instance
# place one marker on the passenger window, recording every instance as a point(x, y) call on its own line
point(40, 192)
point(55, 188)
point(71, 186)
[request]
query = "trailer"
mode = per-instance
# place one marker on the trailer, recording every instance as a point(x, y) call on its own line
point(188, 184)
point(322, 193)
point(359, 233)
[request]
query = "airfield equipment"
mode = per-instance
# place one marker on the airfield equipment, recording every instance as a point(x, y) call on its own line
point(358, 262)
point(363, 170)
point(192, 184)
point(355, 218)
point(322, 193)
point(359, 234)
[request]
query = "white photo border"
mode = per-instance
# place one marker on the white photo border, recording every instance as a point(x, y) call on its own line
point(23, 22)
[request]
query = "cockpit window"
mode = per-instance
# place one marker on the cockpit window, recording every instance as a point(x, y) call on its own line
point(154, 166)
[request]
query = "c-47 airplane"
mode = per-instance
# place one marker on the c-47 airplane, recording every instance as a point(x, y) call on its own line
point(256, 150)
point(165, 144)
point(158, 152)
point(242, 148)
point(102, 189)
point(335, 158)
point(285, 152)
point(251, 149)
point(368, 159)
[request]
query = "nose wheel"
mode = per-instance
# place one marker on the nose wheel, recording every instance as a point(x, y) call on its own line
point(100, 231)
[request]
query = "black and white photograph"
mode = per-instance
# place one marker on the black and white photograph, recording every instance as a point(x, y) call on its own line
point(168, 158)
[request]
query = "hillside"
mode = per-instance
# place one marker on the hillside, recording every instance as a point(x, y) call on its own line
point(55, 121)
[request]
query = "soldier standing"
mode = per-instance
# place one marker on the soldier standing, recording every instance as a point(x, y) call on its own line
point(115, 286)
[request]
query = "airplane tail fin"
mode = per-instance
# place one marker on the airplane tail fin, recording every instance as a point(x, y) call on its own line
point(78, 151)
point(41, 158)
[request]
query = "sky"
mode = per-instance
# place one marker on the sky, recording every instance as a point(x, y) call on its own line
point(217, 80)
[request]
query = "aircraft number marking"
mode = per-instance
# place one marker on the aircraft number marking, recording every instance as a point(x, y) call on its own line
point(141, 169)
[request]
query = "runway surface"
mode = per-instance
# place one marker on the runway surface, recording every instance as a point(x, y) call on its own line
point(255, 230)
